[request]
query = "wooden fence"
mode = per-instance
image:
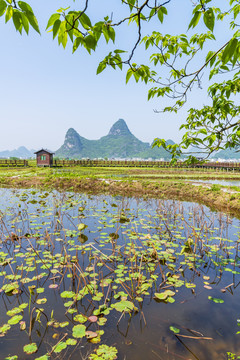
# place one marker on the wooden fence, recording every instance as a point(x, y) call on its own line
point(150, 164)
point(126, 163)
point(11, 163)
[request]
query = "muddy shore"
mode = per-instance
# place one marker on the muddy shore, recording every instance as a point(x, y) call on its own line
point(217, 199)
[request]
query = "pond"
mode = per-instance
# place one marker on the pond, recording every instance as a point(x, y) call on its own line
point(127, 278)
point(220, 182)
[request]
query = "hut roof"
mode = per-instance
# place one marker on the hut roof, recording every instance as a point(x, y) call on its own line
point(45, 150)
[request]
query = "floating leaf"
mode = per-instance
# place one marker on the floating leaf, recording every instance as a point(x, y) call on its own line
point(44, 357)
point(15, 319)
point(79, 331)
point(104, 352)
point(102, 321)
point(216, 300)
point(71, 341)
point(93, 318)
point(41, 301)
point(125, 305)
point(174, 329)
point(53, 286)
point(97, 339)
point(63, 324)
point(208, 287)
point(80, 318)
point(82, 238)
point(190, 285)
point(40, 290)
point(30, 348)
point(91, 334)
point(60, 346)
point(163, 295)
point(14, 311)
point(22, 325)
point(4, 328)
point(10, 287)
point(206, 277)
point(82, 227)
point(67, 294)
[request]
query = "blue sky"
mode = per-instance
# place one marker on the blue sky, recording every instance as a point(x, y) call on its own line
point(45, 90)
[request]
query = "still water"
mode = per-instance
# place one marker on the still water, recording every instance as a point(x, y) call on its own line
point(156, 279)
point(221, 182)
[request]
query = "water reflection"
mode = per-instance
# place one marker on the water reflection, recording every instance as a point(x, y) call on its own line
point(128, 250)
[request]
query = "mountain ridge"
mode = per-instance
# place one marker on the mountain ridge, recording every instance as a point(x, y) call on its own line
point(21, 152)
point(118, 143)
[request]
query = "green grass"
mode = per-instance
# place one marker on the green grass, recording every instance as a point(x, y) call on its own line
point(118, 173)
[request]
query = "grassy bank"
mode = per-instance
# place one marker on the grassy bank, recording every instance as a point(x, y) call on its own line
point(160, 183)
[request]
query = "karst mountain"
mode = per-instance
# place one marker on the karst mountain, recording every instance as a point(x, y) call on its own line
point(120, 143)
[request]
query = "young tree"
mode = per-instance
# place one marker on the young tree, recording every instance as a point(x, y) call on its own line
point(210, 128)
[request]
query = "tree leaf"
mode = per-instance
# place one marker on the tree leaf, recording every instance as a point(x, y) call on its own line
point(85, 21)
point(195, 19)
point(9, 14)
point(52, 19)
point(3, 7)
point(25, 7)
point(209, 19)
point(101, 67)
point(229, 50)
point(56, 27)
point(17, 20)
point(25, 22)
point(33, 21)
point(160, 15)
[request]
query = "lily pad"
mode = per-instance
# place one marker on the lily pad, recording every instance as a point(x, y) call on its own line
point(82, 227)
point(163, 295)
point(53, 286)
point(60, 346)
point(104, 352)
point(91, 334)
point(93, 318)
point(68, 294)
point(174, 329)
point(71, 341)
point(80, 318)
point(15, 319)
point(41, 301)
point(216, 300)
point(125, 305)
point(79, 331)
point(30, 348)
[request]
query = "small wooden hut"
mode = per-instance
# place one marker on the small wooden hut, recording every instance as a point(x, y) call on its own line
point(44, 157)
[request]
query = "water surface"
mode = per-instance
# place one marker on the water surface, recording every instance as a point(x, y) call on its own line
point(67, 254)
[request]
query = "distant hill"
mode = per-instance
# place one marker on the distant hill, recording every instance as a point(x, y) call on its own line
point(119, 143)
point(21, 152)
point(228, 154)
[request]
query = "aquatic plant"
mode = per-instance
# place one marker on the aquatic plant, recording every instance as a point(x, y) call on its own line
point(76, 268)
